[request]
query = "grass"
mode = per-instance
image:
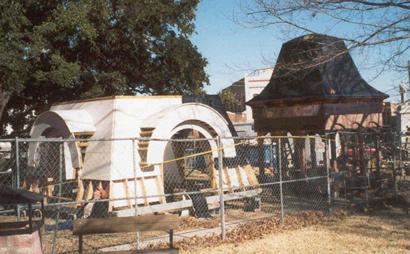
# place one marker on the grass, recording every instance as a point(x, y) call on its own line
point(382, 232)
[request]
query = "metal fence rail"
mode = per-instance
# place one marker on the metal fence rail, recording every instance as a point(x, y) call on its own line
point(211, 182)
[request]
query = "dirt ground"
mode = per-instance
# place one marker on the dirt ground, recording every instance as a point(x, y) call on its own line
point(383, 232)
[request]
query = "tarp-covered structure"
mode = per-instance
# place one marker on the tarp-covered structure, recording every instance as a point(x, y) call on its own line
point(154, 119)
point(316, 87)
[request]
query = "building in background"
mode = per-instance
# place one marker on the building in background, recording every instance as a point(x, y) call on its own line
point(244, 90)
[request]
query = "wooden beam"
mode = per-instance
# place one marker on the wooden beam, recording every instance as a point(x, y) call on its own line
point(228, 179)
point(89, 193)
point(84, 133)
point(251, 175)
point(110, 203)
point(80, 190)
point(213, 202)
point(239, 176)
point(174, 206)
point(127, 193)
point(160, 186)
point(144, 191)
point(125, 224)
point(212, 171)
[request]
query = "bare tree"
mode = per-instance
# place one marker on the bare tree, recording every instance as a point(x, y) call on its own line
point(380, 25)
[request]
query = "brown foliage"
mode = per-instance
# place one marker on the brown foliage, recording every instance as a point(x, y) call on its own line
point(258, 229)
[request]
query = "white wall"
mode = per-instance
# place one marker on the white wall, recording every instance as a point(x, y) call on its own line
point(255, 82)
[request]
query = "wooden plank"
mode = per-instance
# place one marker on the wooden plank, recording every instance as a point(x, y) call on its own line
point(213, 201)
point(351, 108)
point(89, 193)
point(144, 191)
point(126, 224)
point(127, 193)
point(15, 224)
point(84, 133)
point(291, 111)
point(82, 144)
point(251, 175)
point(80, 190)
point(160, 187)
point(239, 176)
point(48, 190)
point(178, 205)
point(228, 179)
point(212, 171)
point(110, 203)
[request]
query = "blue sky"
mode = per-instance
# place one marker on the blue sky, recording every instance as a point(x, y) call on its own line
point(233, 50)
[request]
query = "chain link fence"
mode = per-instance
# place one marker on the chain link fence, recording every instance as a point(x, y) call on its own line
point(369, 169)
point(213, 183)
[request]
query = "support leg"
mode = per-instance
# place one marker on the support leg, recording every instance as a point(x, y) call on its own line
point(171, 239)
point(80, 244)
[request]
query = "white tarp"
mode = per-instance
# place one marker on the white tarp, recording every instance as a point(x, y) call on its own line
point(123, 118)
point(60, 124)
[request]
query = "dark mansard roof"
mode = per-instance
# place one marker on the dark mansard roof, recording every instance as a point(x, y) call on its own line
point(315, 67)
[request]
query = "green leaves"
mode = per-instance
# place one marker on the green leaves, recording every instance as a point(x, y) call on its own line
point(62, 50)
point(62, 73)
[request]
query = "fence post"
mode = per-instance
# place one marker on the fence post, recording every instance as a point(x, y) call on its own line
point(17, 163)
point(60, 180)
point(327, 153)
point(134, 169)
point(394, 164)
point(282, 211)
point(221, 191)
point(17, 183)
point(400, 154)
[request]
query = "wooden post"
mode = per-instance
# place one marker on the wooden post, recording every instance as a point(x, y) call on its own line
point(313, 153)
point(171, 239)
point(110, 195)
point(160, 188)
point(80, 192)
point(228, 179)
point(144, 191)
point(127, 192)
point(282, 213)
point(261, 154)
point(80, 244)
point(361, 156)
point(89, 191)
point(221, 190)
point(299, 145)
point(30, 217)
point(327, 163)
point(377, 157)
point(239, 177)
point(354, 150)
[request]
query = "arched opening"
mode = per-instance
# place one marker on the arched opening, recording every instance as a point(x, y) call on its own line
point(189, 164)
point(199, 117)
point(46, 158)
point(62, 124)
point(172, 156)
